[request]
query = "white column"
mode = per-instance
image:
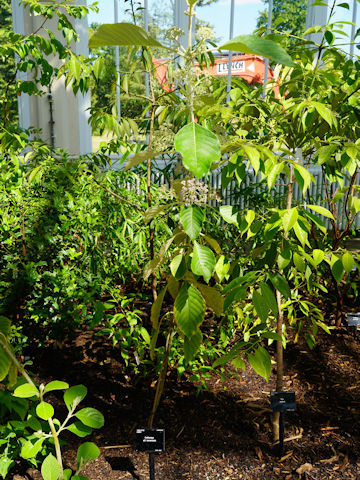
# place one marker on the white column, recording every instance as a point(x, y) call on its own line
point(315, 15)
point(24, 99)
point(70, 112)
point(181, 20)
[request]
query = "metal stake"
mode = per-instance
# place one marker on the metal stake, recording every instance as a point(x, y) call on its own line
point(152, 466)
point(281, 434)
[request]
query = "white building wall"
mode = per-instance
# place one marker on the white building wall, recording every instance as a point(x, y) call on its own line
point(70, 112)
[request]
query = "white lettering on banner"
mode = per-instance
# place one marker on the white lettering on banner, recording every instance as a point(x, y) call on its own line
point(236, 66)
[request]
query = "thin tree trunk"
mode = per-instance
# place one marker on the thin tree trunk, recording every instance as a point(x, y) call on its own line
point(162, 376)
point(280, 322)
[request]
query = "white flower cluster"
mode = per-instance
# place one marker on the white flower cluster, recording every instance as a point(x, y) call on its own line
point(163, 138)
point(174, 33)
point(205, 33)
point(196, 192)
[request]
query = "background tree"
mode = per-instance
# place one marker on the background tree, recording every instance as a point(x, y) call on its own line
point(7, 65)
point(289, 16)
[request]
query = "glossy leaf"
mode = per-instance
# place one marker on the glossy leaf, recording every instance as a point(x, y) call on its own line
point(4, 364)
point(200, 148)
point(178, 266)
point(253, 155)
point(30, 450)
point(50, 469)
point(55, 385)
point(301, 233)
point(152, 212)
point(289, 218)
point(87, 452)
point(192, 345)
point(222, 268)
point(74, 395)
point(284, 258)
point(299, 262)
point(191, 219)
point(260, 306)
point(26, 391)
point(5, 325)
point(348, 262)
point(44, 410)
point(90, 417)
point(337, 269)
point(325, 113)
point(189, 309)
point(318, 256)
point(274, 173)
point(79, 429)
point(138, 158)
point(230, 214)
point(259, 46)
point(122, 34)
point(281, 284)
point(156, 308)
point(203, 261)
point(269, 297)
point(261, 362)
point(321, 210)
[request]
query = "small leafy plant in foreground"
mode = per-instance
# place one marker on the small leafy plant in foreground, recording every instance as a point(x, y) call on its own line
point(37, 414)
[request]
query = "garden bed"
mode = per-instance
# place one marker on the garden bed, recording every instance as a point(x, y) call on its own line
point(219, 434)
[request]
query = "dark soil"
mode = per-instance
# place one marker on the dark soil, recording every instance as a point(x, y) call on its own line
point(224, 433)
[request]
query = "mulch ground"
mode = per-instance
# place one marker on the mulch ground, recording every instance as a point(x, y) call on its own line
point(224, 433)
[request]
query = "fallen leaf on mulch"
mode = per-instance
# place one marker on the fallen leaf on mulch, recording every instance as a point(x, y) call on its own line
point(306, 467)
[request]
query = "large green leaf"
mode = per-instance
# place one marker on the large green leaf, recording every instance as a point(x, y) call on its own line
point(4, 364)
point(337, 268)
point(212, 297)
point(203, 261)
point(289, 218)
point(281, 284)
point(90, 417)
point(318, 256)
point(269, 297)
point(156, 308)
point(199, 148)
point(189, 309)
point(191, 219)
point(322, 210)
point(348, 262)
point(74, 395)
point(87, 452)
point(261, 362)
point(5, 325)
point(230, 214)
point(122, 34)
point(79, 429)
point(260, 306)
point(192, 345)
point(259, 46)
point(45, 410)
point(56, 385)
point(26, 391)
point(30, 450)
point(274, 173)
point(178, 266)
point(50, 469)
point(139, 158)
